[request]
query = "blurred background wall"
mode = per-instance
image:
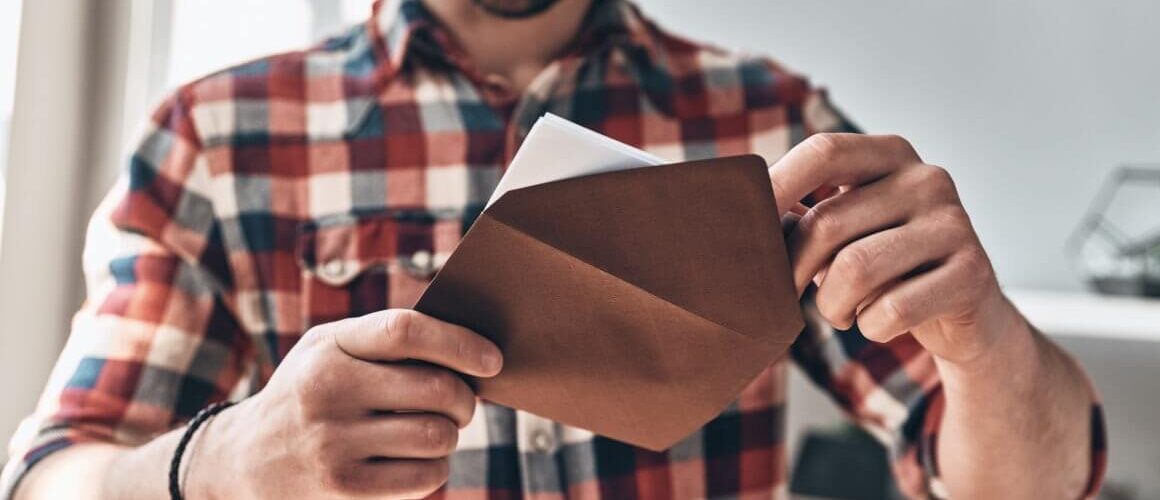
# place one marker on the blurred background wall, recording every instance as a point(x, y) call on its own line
point(1029, 104)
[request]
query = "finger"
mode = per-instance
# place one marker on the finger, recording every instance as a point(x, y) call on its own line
point(917, 300)
point(837, 221)
point(835, 160)
point(863, 267)
point(389, 389)
point(403, 478)
point(789, 222)
point(402, 435)
point(397, 334)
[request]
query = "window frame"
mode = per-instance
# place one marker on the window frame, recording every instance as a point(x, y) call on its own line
point(97, 73)
point(81, 75)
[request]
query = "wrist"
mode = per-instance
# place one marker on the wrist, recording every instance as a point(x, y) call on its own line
point(206, 466)
point(1009, 361)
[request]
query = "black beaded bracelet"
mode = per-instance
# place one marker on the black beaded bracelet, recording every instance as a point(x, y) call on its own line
point(175, 464)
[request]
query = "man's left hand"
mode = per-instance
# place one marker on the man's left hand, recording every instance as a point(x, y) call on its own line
point(894, 250)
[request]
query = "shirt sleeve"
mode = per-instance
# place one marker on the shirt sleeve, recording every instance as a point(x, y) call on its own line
point(893, 389)
point(155, 340)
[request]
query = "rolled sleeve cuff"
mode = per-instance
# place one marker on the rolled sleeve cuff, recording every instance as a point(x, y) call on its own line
point(918, 471)
point(18, 467)
point(34, 442)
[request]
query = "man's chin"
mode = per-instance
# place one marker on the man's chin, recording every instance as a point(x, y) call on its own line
point(515, 9)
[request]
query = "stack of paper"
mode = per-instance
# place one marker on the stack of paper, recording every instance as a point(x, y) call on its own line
point(557, 149)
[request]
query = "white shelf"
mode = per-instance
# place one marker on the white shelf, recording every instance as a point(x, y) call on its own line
point(1079, 314)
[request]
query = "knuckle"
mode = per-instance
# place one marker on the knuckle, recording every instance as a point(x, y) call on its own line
point(933, 186)
point(896, 313)
point(978, 266)
point(821, 223)
point(326, 375)
point(327, 445)
point(317, 338)
point(937, 177)
point(948, 218)
point(332, 372)
point(950, 226)
point(341, 478)
point(853, 264)
point(439, 435)
point(313, 335)
point(900, 145)
point(314, 409)
point(312, 387)
point(975, 258)
point(306, 400)
point(465, 350)
point(399, 327)
point(940, 174)
point(825, 147)
point(440, 388)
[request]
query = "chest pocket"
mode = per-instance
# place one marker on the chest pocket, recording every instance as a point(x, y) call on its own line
point(358, 265)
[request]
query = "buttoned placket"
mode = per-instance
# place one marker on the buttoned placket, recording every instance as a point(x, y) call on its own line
point(537, 438)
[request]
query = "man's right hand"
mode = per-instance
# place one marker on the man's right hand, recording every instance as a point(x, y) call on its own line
point(367, 406)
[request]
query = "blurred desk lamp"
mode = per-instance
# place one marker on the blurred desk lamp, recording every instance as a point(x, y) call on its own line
point(1114, 260)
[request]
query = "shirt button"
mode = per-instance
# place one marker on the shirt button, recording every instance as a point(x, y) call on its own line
point(334, 269)
point(421, 260)
point(542, 441)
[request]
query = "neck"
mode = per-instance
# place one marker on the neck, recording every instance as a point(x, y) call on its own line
point(513, 49)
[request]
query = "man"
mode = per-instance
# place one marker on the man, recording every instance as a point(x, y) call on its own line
point(282, 215)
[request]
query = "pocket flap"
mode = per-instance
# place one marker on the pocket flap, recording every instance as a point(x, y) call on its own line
point(338, 250)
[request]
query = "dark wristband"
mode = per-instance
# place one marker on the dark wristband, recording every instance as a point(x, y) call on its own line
point(175, 465)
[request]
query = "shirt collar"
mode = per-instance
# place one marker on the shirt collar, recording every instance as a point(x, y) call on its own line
point(617, 23)
point(399, 29)
point(403, 28)
point(393, 26)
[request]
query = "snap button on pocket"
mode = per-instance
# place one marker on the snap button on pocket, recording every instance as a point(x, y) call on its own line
point(421, 260)
point(395, 253)
point(421, 264)
point(542, 441)
point(333, 270)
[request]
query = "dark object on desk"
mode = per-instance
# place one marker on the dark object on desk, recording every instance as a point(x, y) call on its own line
point(842, 464)
point(636, 304)
point(1117, 259)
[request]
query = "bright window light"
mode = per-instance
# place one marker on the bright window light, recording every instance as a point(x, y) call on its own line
point(356, 11)
point(9, 37)
point(209, 35)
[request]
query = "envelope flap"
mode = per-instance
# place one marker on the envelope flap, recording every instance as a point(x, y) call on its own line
point(703, 235)
point(591, 350)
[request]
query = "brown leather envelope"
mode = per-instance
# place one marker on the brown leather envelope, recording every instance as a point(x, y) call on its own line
point(636, 304)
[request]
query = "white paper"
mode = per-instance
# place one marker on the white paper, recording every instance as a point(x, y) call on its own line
point(557, 149)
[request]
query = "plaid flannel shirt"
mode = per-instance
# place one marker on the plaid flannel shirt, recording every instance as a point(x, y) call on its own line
point(317, 185)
